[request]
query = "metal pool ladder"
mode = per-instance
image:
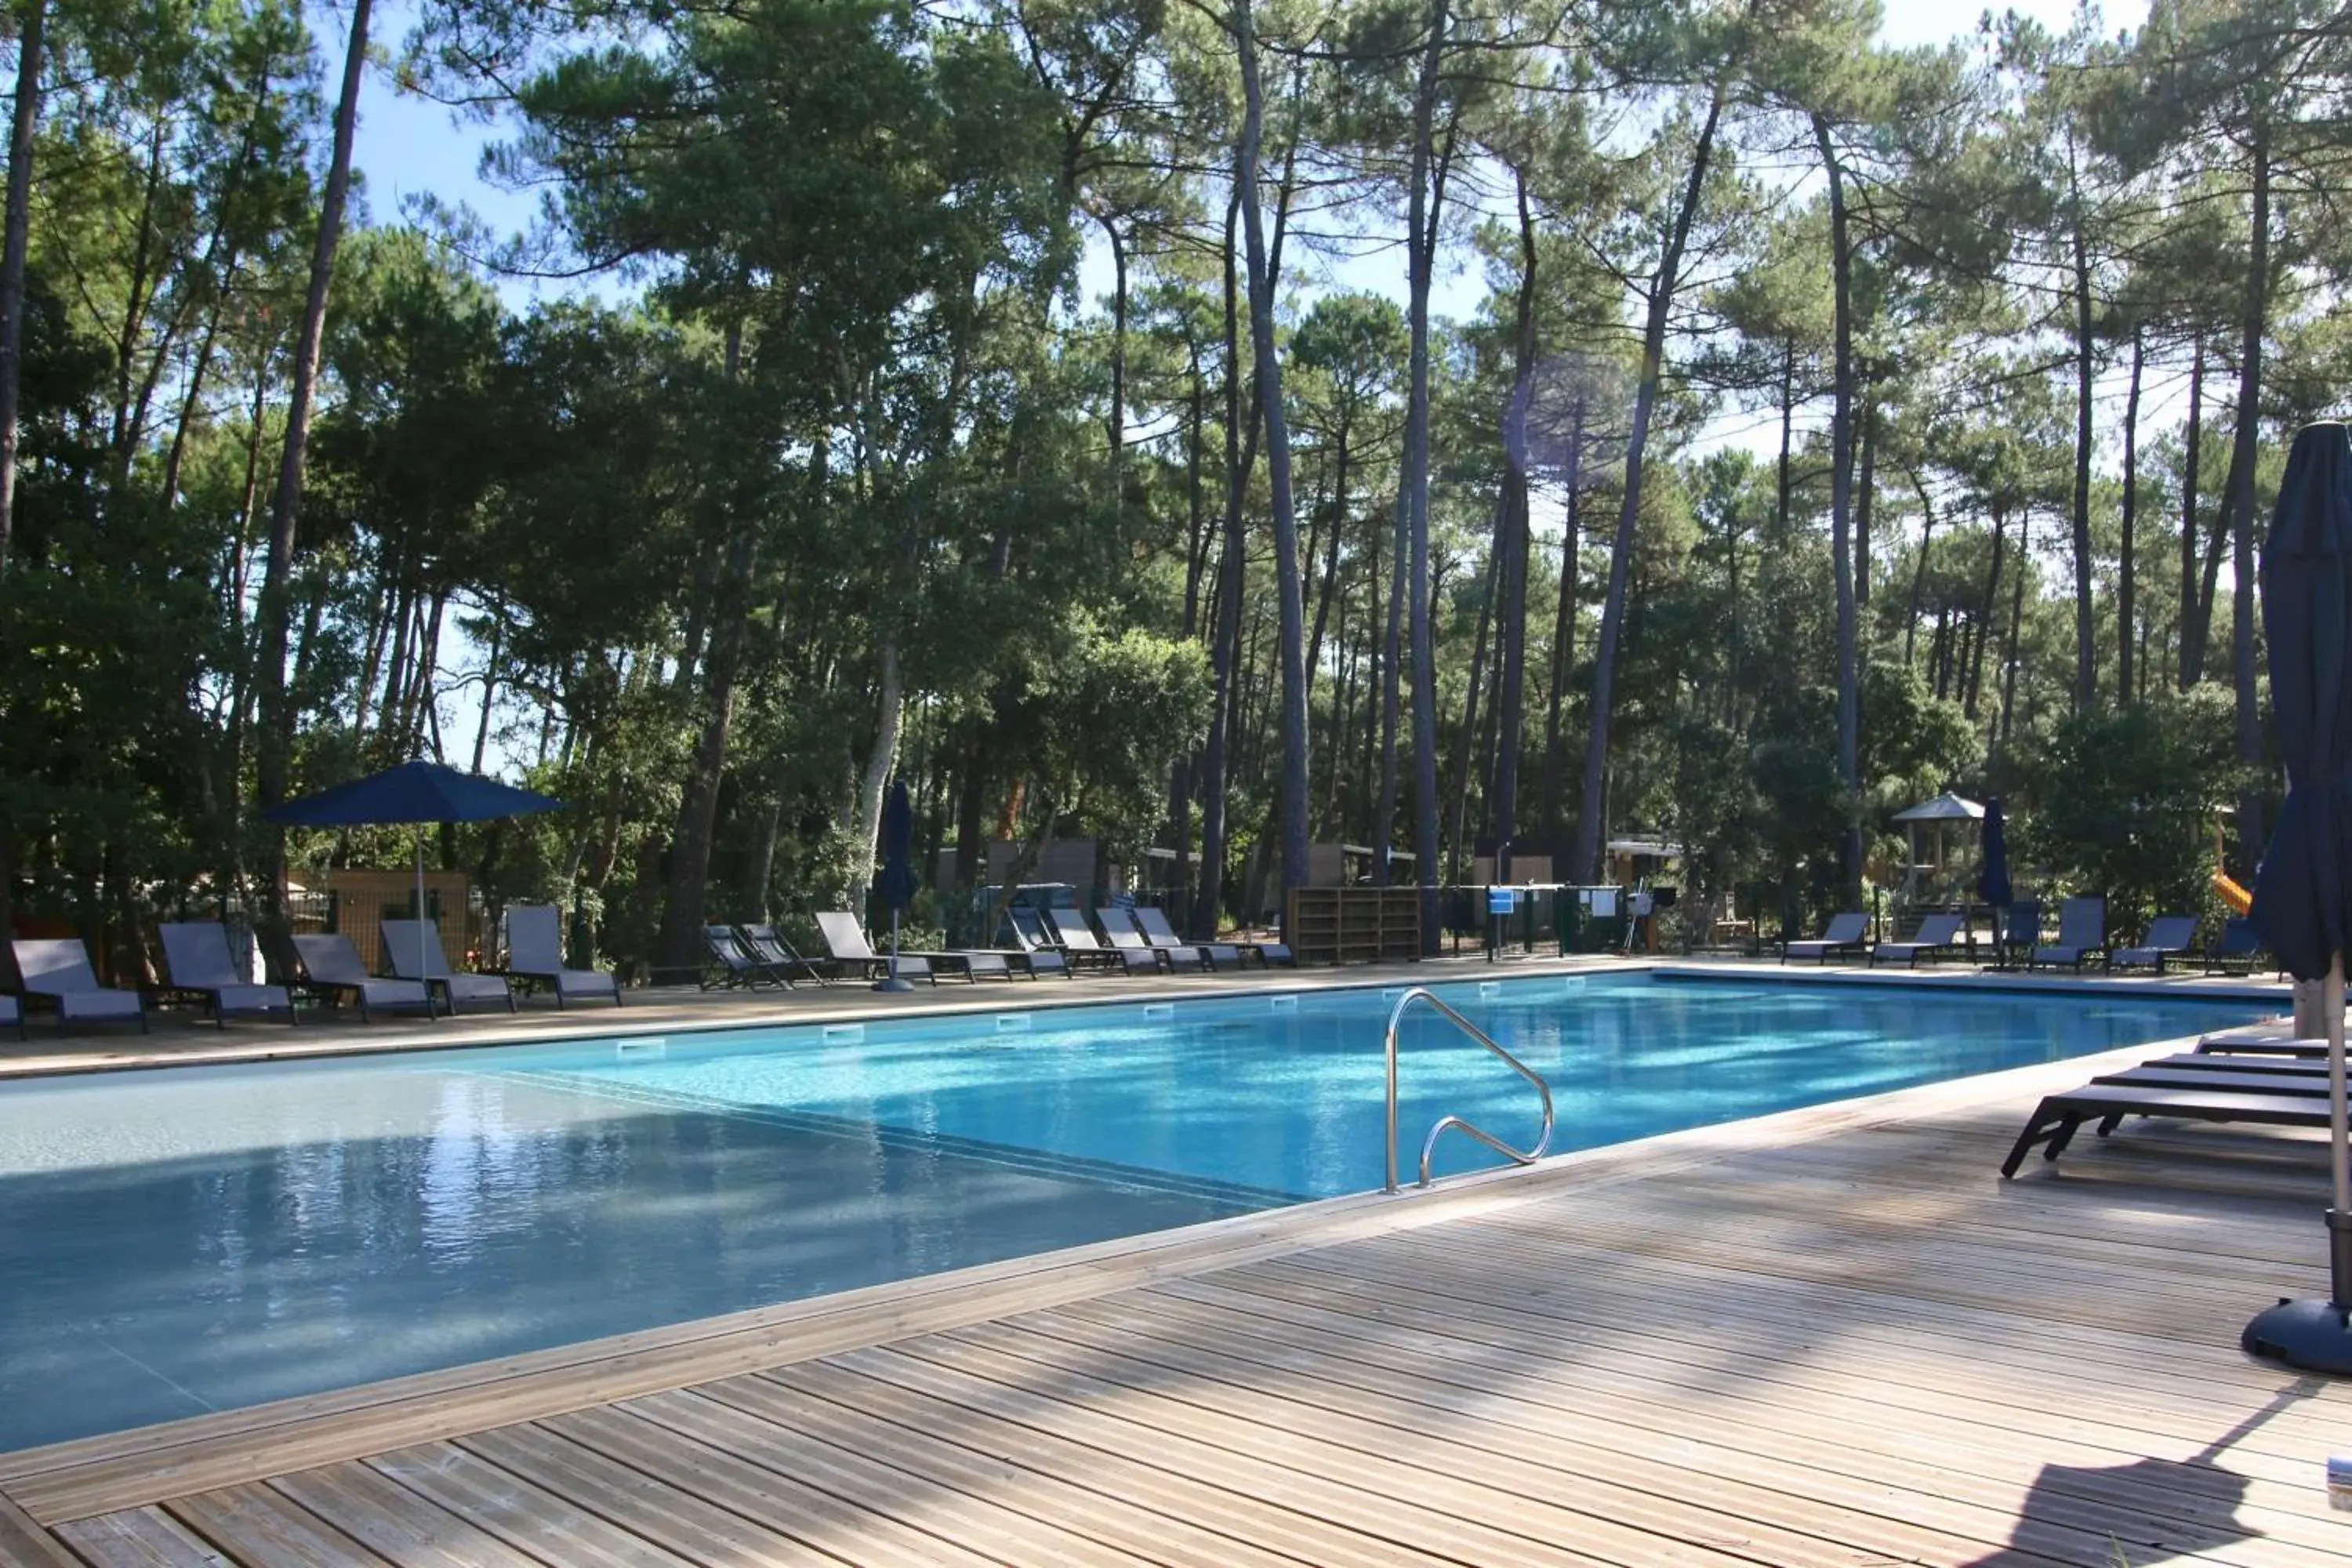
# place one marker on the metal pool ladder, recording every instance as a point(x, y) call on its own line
point(1429, 1145)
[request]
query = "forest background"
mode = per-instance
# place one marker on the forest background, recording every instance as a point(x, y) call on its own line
point(977, 392)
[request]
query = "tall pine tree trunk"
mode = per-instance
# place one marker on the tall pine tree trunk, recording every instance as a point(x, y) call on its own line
point(275, 606)
point(18, 227)
point(1224, 648)
point(2086, 664)
point(1849, 704)
point(2243, 456)
point(1509, 717)
point(1422, 217)
point(2192, 630)
point(2127, 583)
point(1663, 283)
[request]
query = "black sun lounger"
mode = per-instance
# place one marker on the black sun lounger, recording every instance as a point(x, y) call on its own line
point(1847, 934)
point(1937, 934)
point(2260, 1043)
point(2056, 1119)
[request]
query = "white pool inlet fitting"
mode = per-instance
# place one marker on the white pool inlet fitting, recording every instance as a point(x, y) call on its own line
point(844, 1032)
point(1159, 1009)
point(1011, 1023)
point(1286, 1002)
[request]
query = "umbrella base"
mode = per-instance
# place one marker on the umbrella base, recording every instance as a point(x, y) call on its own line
point(894, 985)
point(2313, 1335)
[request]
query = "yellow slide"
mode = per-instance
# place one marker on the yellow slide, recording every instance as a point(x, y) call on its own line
point(2237, 898)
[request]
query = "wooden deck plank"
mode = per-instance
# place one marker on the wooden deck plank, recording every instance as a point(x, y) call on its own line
point(956, 1517)
point(1687, 1332)
point(1178, 1499)
point(1798, 1482)
point(260, 1528)
point(1406, 1528)
point(1753, 1415)
point(140, 1538)
point(698, 1529)
point(1405, 1475)
point(789, 1505)
point(791, 1403)
point(525, 1516)
point(397, 1524)
point(23, 1541)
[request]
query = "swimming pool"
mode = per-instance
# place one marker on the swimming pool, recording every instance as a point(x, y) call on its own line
point(192, 1239)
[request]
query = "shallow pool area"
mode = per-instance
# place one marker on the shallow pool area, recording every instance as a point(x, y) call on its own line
point(184, 1240)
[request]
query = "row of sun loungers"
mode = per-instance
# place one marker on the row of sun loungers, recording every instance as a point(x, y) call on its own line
point(2242, 1075)
point(1049, 941)
point(198, 964)
point(2081, 938)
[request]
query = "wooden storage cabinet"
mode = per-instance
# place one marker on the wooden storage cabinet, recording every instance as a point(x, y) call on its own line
point(1355, 925)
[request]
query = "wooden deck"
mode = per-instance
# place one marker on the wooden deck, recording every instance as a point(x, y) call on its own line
point(1828, 1338)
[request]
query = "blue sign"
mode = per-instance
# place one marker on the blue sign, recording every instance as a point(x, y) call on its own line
point(1502, 900)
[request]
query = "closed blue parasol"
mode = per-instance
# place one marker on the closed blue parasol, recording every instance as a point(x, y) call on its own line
point(1993, 884)
point(2303, 889)
point(413, 791)
point(898, 870)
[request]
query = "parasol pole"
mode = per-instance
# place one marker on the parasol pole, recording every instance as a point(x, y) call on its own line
point(2340, 1128)
point(422, 971)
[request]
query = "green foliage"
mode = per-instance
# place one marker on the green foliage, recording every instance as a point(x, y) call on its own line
point(2125, 803)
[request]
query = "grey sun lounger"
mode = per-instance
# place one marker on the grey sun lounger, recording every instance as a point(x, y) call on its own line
point(767, 944)
point(1153, 924)
point(733, 964)
point(12, 1012)
point(57, 969)
point(197, 959)
point(535, 952)
point(1846, 932)
point(331, 964)
point(2082, 935)
point(2059, 1117)
point(1937, 934)
point(2169, 936)
point(1079, 940)
point(845, 943)
point(406, 942)
point(1036, 951)
point(1119, 925)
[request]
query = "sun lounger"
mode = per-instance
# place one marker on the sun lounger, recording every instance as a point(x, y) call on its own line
point(1079, 940)
point(2059, 1116)
point(2156, 1075)
point(1119, 925)
point(332, 966)
point(731, 963)
point(2262, 1042)
point(408, 943)
point(2237, 948)
point(844, 942)
point(535, 952)
point(2019, 934)
point(2223, 1062)
point(2169, 936)
point(12, 1012)
point(1033, 952)
point(1847, 934)
point(58, 970)
point(1937, 934)
point(767, 944)
point(2082, 935)
point(197, 959)
point(1153, 924)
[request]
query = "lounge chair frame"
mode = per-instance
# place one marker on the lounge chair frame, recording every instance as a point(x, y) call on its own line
point(198, 962)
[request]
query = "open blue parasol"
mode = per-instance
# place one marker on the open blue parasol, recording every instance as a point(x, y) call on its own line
point(2303, 889)
point(416, 792)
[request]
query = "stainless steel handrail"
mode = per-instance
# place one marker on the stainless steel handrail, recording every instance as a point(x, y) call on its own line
point(1429, 1145)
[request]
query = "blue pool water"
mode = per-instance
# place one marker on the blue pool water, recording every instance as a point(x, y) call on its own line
point(194, 1239)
